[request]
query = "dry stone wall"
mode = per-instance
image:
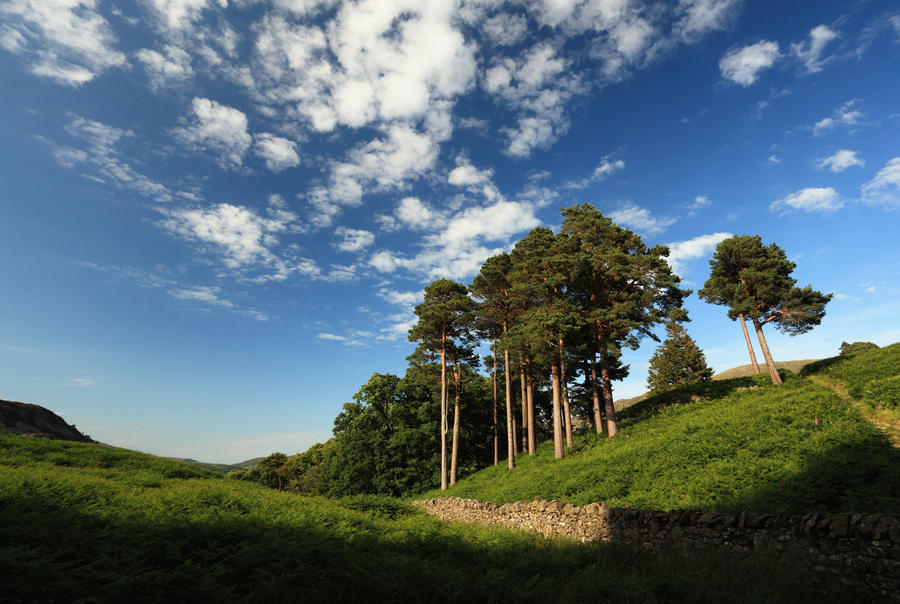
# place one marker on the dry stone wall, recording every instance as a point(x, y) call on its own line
point(859, 550)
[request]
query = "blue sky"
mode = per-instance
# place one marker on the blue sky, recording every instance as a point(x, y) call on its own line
point(216, 216)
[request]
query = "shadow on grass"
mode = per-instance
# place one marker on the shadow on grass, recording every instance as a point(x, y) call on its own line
point(859, 474)
point(817, 366)
point(55, 553)
point(686, 394)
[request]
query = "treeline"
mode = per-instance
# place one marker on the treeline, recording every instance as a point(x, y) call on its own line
point(556, 312)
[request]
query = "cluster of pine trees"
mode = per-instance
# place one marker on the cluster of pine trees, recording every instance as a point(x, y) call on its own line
point(556, 311)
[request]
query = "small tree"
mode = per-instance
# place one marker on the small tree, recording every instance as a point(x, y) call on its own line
point(848, 349)
point(677, 361)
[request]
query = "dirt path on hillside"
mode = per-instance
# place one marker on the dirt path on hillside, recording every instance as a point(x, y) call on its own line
point(884, 421)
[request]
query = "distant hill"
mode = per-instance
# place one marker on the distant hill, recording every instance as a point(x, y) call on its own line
point(745, 370)
point(33, 420)
point(221, 468)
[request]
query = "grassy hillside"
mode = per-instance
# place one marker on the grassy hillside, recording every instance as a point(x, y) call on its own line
point(734, 444)
point(84, 522)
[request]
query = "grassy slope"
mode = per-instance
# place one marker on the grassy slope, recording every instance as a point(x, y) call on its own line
point(86, 522)
point(756, 450)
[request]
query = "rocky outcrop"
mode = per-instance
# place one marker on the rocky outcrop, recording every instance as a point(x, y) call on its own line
point(859, 550)
point(34, 420)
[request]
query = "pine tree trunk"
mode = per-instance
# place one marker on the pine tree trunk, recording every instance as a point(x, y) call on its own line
point(510, 424)
point(444, 411)
point(496, 430)
point(773, 372)
point(558, 449)
point(749, 344)
point(598, 420)
point(454, 453)
point(530, 384)
point(570, 442)
point(611, 427)
point(524, 396)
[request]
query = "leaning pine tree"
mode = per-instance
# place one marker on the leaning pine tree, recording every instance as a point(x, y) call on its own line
point(677, 361)
point(754, 281)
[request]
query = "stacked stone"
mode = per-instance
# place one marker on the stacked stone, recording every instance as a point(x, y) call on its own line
point(860, 550)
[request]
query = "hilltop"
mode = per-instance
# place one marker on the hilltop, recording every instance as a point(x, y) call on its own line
point(34, 420)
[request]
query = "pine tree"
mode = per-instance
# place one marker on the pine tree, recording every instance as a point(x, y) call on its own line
point(755, 281)
point(677, 361)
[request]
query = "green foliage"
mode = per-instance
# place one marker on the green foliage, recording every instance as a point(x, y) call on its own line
point(736, 445)
point(755, 281)
point(848, 349)
point(883, 392)
point(128, 533)
point(860, 368)
point(678, 361)
point(269, 471)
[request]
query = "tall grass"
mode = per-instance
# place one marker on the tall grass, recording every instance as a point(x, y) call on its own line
point(131, 530)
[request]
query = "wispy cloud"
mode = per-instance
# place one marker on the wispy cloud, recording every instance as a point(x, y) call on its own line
point(810, 199)
point(641, 219)
point(884, 189)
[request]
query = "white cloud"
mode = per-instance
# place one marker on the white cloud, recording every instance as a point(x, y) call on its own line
point(383, 164)
point(841, 160)
point(810, 52)
point(774, 159)
point(243, 239)
point(505, 29)
point(537, 85)
point(606, 168)
point(80, 382)
point(845, 115)
point(465, 174)
point(458, 247)
point(354, 240)
point(640, 219)
point(681, 252)
point(171, 68)
point(415, 214)
point(702, 16)
point(180, 14)
point(279, 153)
point(810, 199)
point(743, 65)
point(331, 336)
point(884, 189)
point(68, 41)
point(700, 201)
point(207, 295)
point(405, 299)
point(220, 129)
point(102, 141)
point(241, 234)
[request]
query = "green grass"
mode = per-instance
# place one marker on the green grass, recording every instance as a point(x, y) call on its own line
point(743, 445)
point(859, 370)
point(142, 529)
